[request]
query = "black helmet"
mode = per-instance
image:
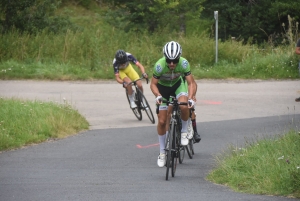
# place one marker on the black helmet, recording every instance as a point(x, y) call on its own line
point(121, 56)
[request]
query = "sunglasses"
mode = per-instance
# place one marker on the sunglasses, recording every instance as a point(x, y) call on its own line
point(175, 61)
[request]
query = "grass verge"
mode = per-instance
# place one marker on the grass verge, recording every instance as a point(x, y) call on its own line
point(269, 166)
point(27, 122)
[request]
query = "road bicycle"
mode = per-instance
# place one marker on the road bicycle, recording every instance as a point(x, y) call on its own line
point(174, 150)
point(141, 102)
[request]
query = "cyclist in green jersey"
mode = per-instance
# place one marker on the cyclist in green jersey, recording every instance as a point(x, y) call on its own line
point(168, 81)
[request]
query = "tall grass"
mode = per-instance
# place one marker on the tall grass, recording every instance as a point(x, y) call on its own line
point(26, 122)
point(265, 166)
point(88, 54)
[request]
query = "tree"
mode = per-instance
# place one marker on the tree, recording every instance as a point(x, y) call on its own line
point(29, 15)
point(256, 19)
point(152, 14)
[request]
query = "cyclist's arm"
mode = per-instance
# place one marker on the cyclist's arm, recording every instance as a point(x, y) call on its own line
point(119, 80)
point(141, 67)
point(116, 71)
point(196, 86)
point(191, 86)
point(153, 87)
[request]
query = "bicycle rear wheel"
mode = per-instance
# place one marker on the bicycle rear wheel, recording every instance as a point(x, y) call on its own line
point(146, 107)
point(192, 145)
point(190, 148)
point(136, 111)
point(181, 153)
point(181, 149)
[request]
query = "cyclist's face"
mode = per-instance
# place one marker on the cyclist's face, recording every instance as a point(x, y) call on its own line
point(124, 64)
point(172, 63)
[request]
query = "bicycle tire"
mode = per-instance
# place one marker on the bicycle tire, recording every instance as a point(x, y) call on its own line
point(168, 154)
point(175, 152)
point(189, 148)
point(181, 153)
point(136, 111)
point(148, 111)
point(181, 149)
point(192, 145)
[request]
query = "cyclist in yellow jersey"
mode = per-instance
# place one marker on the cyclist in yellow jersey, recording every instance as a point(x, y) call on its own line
point(125, 73)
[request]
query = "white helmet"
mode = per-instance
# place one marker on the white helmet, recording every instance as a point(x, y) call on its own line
point(172, 50)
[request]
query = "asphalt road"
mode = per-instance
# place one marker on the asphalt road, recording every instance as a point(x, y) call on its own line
point(116, 159)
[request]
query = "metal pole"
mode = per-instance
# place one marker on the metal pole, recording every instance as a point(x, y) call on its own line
point(216, 18)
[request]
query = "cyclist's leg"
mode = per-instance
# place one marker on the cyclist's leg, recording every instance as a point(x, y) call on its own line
point(196, 134)
point(127, 77)
point(140, 85)
point(182, 96)
point(161, 131)
point(133, 75)
point(168, 118)
point(162, 121)
point(123, 75)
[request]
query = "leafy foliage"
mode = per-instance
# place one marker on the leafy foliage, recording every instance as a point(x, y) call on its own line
point(258, 20)
point(151, 15)
point(31, 16)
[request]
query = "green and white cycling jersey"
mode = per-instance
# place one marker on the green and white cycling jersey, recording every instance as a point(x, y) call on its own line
point(168, 77)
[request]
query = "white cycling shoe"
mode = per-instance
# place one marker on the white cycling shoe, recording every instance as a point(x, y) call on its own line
point(184, 139)
point(132, 104)
point(161, 160)
point(145, 105)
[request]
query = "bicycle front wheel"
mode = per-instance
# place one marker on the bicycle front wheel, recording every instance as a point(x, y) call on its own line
point(136, 111)
point(175, 150)
point(192, 145)
point(146, 107)
point(168, 154)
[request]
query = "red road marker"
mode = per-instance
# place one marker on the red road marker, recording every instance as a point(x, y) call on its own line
point(146, 146)
point(208, 102)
